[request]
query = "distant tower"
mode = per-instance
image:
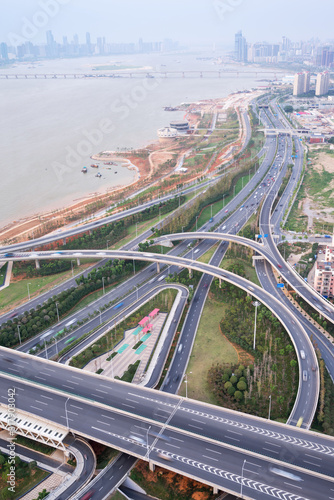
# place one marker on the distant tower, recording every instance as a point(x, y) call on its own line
point(88, 43)
point(322, 85)
point(240, 47)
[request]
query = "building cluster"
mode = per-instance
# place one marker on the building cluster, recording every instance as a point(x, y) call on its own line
point(324, 272)
point(312, 53)
point(76, 48)
point(301, 84)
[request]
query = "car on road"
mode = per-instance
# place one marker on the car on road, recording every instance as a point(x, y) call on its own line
point(302, 354)
point(164, 456)
point(176, 378)
point(305, 376)
point(285, 473)
point(226, 211)
point(279, 265)
point(138, 439)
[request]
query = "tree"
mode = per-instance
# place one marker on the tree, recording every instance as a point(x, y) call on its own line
point(288, 108)
point(242, 386)
point(238, 395)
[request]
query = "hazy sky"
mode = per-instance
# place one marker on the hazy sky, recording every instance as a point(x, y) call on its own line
point(184, 20)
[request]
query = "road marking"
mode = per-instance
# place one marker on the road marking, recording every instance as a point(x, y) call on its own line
point(111, 478)
point(210, 458)
point(78, 407)
point(132, 400)
point(312, 456)
point(196, 427)
point(199, 421)
point(67, 386)
point(46, 397)
point(271, 451)
point(181, 440)
point(40, 378)
point(99, 390)
point(311, 463)
point(293, 485)
point(129, 406)
point(273, 444)
point(106, 416)
point(172, 445)
point(230, 437)
point(20, 389)
point(69, 411)
point(104, 386)
point(72, 382)
point(77, 378)
point(35, 408)
point(41, 402)
point(100, 422)
point(49, 369)
point(213, 451)
point(234, 432)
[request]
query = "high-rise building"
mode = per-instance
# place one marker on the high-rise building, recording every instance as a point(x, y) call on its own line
point(240, 47)
point(50, 44)
point(88, 43)
point(299, 84)
point(322, 85)
point(307, 80)
point(4, 51)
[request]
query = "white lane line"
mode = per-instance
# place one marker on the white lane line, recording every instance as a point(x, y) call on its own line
point(106, 416)
point(41, 402)
point(97, 396)
point(181, 440)
point(67, 386)
point(111, 478)
point(293, 485)
point(199, 421)
point(46, 374)
point(35, 408)
point(234, 439)
point(78, 407)
point(25, 362)
point(173, 445)
point(196, 427)
point(99, 390)
point(311, 463)
point(132, 400)
point(72, 382)
point(73, 412)
point(49, 369)
point(100, 422)
point(234, 432)
point(20, 389)
point(77, 378)
point(273, 444)
point(213, 451)
point(46, 397)
point(255, 465)
point(271, 451)
point(14, 370)
point(210, 458)
point(129, 406)
point(312, 456)
point(40, 378)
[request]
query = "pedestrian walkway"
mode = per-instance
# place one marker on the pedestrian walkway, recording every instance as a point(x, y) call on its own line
point(49, 484)
point(126, 354)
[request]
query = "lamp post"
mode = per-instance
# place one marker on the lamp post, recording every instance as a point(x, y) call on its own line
point(196, 222)
point(103, 283)
point(242, 477)
point(28, 290)
point(211, 210)
point(46, 349)
point(186, 382)
point(224, 200)
point(136, 229)
point(256, 305)
point(100, 316)
point(269, 407)
point(148, 449)
point(56, 344)
point(137, 291)
point(66, 415)
point(108, 244)
point(57, 304)
point(134, 269)
point(72, 267)
point(18, 329)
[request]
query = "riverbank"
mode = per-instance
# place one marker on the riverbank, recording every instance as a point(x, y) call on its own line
point(155, 166)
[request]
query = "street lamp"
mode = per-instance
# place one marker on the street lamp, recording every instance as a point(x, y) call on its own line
point(46, 349)
point(72, 266)
point(137, 291)
point(54, 338)
point(186, 382)
point(148, 449)
point(196, 222)
point(28, 290)
point(136, 229)
point(256, 304)
point(242, 477)
point(134, 269)
point(103, 283)
point(108, 241)
point(100, 316)
point(66, 414)
point(57, 304)
point(18, 329)
point(269, 407)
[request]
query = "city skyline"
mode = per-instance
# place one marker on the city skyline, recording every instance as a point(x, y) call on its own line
point(196, 21)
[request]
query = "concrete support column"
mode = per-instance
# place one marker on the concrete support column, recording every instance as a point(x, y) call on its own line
point(64, 241)
point(215, 490)
point(37, 264)
point(151, 466)
point(158, 267)
point(220, 282)
point(78, 261)
point(190, 273)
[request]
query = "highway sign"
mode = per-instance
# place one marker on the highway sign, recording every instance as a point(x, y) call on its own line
point(280, 285)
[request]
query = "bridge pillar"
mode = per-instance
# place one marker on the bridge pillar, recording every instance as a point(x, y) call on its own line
point(78, 261)
point(37, 264)
point(215, 490)
point(151, 466)
point(158, 267)
point(190, 273)
point(64, 241)
point(220, 282)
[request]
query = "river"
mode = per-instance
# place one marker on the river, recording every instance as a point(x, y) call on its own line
point(50, 127)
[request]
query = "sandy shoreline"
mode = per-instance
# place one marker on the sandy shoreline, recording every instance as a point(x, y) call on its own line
point(141, 161)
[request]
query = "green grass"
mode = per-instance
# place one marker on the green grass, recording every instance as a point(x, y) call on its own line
point(210, 347)
point(205, 258)
point(91, 297)
point(117, 496)
point(219, 205)
point(25, 484)
point(249, 269)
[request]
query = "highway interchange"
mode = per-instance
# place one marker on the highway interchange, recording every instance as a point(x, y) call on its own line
point(238, 218)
